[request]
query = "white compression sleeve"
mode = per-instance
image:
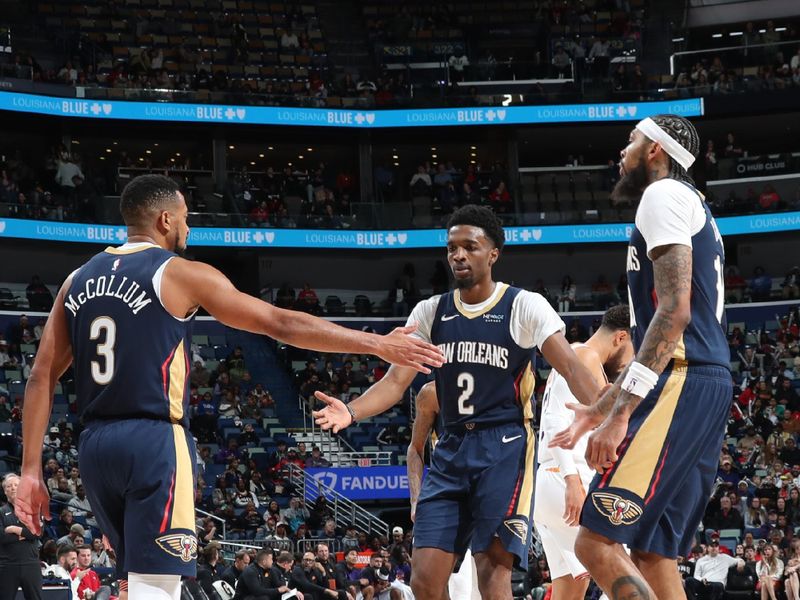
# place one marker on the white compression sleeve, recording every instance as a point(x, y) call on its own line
point(154, 587)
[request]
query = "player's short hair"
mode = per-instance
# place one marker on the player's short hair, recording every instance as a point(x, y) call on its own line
point(617, 318)
point(682, 131)
point(480, 216)
point(147, 194)
point(65, 549)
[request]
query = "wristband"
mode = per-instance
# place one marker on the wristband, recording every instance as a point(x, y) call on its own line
point(352, 413)
point(639, 380)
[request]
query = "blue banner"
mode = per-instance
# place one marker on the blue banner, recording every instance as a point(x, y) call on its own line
point(376, 240)
point(359, 119)
point(364, 483)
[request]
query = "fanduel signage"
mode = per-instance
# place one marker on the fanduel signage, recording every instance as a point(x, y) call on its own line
point(232, 237)
point(364, 483)
point(357, 119)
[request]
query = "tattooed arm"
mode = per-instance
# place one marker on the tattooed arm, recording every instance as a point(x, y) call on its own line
point(672, 271)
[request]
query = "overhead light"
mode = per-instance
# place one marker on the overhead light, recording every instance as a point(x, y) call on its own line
point(434, 156)
point(472, 154)
point(172, 159)
point(717, 35)
point(779, 29)
point(108, 150)
point(735, 33)
point(433, 148)
point(252, 162)
point(148, 152)
point(141, 159)
point(678, 39)
point(231, 147)
point(472, 162)
point(288, 164)
point(261, 155)
point(473, 147)
point(300, 156)
point(102, 158)
point(395, 156)
point(113, 143)
point(397, 164)
point(270, 148)
point(310, 149)
point(155, 143)
point(762, 31)
point(177, 154)
point(75, 142)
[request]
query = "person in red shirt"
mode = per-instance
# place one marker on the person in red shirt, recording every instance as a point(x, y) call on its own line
point(500, 199)
point(769, 198)
point(89, 587)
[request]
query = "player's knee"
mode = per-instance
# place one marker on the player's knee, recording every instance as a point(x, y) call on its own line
point(586, 550)
point(395, 594)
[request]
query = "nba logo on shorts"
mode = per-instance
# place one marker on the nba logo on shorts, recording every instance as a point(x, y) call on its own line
point(179, 544)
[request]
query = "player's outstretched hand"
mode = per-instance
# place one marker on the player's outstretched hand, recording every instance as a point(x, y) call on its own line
point(601, 451)
point(402, 349)
point(32, 503)
point(574, 498)
point(586, 419)
point(334, 416)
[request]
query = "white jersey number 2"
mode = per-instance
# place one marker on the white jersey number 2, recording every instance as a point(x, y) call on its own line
point(466, 383)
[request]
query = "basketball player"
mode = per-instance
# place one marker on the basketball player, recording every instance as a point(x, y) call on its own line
point(124, 318)
point(478, 492)
point(563, 475)
point(463, 584)
point(662, 423)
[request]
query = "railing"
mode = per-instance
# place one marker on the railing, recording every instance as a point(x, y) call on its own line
point(345, 511)
point(230, 547)
point(319, 437)
point(215, 518)
point(365, 459)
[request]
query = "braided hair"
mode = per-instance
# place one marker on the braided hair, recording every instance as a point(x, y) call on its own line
point(681, 130)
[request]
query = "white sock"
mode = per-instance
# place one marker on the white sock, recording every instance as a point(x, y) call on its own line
point(154, 587)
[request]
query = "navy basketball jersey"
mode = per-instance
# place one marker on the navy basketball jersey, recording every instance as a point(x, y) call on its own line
point(131, 356)
point(674, 212)
point(487, 376)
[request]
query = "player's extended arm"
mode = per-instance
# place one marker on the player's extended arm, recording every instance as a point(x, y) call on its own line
point(376, 400)
point(190, 284)
point(52, 359)
point(427, 409)
point(563, 359)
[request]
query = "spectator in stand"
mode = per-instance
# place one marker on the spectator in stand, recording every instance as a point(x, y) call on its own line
point(308, 301)
point(316, 459)
point(500, 199)
point(19, 565)
point(421, 184)
point(75, 538)
point(566, 298)
point(760, 285)
point(296, 514)
point(711, 574)
point(735, 284)
point(732, 148)
point(791, 284)
point(101, 557)
point(66, 560)
point(89, 587)
point(289, 40)
point(712, 167)
point(199, 376)
point(769, 571)
point(755, 518)
point(769, 200)
point(210, 567)
point(727, 517)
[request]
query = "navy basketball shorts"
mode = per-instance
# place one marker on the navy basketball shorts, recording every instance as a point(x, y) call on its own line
point(654, 496)
point(139, 478)
point(479, 486)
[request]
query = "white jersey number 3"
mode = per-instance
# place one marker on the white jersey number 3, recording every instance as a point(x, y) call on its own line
point(106, 328)
point(466, 383)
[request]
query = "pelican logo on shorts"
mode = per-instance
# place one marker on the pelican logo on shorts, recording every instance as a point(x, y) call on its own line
point(182, 545)
point(618, 510)
point(518, 527)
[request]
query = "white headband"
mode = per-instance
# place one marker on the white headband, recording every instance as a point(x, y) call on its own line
point(669, 144)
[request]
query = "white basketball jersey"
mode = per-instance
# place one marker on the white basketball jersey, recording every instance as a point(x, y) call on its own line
point(557, 417)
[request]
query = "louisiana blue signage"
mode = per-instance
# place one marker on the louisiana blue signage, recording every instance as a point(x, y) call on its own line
point(376, 240)
point(358, 119)
point(364, 483)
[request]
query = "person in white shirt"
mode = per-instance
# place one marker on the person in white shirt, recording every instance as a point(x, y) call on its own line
point(711, 574)
point(563, 476)
point(769, 571)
